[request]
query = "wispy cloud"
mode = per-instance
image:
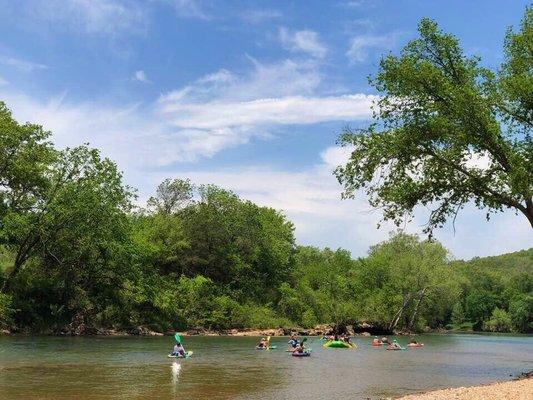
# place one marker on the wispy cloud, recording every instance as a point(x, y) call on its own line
point(231, 109)
point(140, 76)
point(305, 41)
point(216, 112)
point(107, 17)
point(3, 81)
point(21, 65)
point(361, 46)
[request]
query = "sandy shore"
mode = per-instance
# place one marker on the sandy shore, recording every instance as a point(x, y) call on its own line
point(512, 390)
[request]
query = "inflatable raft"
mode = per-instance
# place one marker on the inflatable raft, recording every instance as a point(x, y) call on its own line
point(306, 353)
point(338, 344)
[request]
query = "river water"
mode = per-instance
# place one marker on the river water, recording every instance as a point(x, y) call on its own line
point(97, 368)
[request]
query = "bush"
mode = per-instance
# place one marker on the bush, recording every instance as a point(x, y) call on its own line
point(261, 317)
point(500, 321)
point(521, 314)
point(6, 311)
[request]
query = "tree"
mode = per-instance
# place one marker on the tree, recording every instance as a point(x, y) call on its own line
point(82, 199)
point(416, 272)
point(171, 196)
point(447, 131)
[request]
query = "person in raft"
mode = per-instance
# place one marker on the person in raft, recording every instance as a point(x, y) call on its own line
point(414, 342)
point(395, 344)
point(293, 342)
point(263, 344)
point(376, 341)
point(178, 350)
point(346, 339)
point(385, 340)
point(300, 348)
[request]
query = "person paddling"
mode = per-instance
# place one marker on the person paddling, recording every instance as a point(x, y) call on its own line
point(178, 350)
point(263, 344)
point(293, 342)
point(395, 345)
point(300, 348)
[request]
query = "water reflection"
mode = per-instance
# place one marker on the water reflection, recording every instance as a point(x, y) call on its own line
point(176, 369)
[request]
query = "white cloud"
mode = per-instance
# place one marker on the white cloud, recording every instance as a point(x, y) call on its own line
point(277, 89)
point(231, 109)
point(3, 81)
point(92, 16)
point(21, 65)
point(218, 111)
point(336, 155)
point(305, 41)
point(477, 160)
point(360, 46)
point(268, 111)
point(140, 76)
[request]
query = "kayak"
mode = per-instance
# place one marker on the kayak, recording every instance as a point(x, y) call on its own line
point(187, 355)
point(306, 353)
point(395, 348)
point(338, 344)
point(266, 348)
point(415, 345)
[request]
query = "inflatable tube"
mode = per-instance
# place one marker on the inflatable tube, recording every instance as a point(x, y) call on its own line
point(377, 344)
point(338, 344)
point(395, 348)
point(304, 354)
point(415, 345)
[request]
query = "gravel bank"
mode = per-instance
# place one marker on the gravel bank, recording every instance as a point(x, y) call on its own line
point(513, 390)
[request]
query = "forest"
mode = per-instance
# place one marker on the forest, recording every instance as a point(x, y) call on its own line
point(75, 249)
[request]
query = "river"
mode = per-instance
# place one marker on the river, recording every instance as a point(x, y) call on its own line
point(95, 368)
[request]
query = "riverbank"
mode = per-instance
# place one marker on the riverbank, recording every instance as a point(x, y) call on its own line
point(521, 389)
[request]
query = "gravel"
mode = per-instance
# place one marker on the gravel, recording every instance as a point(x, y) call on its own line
point(513, 390)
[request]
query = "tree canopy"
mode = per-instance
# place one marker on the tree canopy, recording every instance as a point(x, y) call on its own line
point(447, 131)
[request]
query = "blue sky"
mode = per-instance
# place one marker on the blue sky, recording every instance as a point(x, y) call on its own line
point(247, 95)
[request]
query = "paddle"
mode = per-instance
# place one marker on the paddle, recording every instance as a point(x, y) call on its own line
point(268, 343)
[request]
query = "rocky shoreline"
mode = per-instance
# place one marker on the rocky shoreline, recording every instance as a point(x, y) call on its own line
point(520, 388)
point(79, 328)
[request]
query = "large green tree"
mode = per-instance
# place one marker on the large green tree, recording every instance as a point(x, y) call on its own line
point(54, 204)
point(447, 131)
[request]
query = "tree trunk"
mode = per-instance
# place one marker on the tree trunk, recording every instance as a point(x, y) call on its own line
point(529, 211)
point(412, 320)
point(398, 315)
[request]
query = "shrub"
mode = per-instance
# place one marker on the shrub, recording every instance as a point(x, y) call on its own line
point(500, 321)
